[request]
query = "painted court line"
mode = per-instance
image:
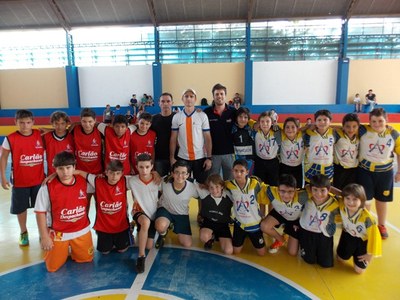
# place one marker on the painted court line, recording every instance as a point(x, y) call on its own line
point(138, 283)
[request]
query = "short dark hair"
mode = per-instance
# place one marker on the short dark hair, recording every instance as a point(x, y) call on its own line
point(378, 112)
point(120, 119)
point(167, 94)
point(23, 113)
point(181, 163)
point(241, 162)
point(88, 112)
point(114, 166)
point(64, 158)
point(320, 181)
point(351, 118)
point(143, 157)
point(242, 111)
point(146, 116)
point(265, 114)
point(218, 86)
point(323, 112)
point(287, 180)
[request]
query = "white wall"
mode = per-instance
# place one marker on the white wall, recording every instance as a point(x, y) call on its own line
point(294, 82)
point(99, 86)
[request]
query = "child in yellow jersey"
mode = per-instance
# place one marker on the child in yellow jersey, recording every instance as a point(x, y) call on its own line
point(318, 144)
point(292, 151)
point(246, 194)
point(378, 143)
point(346, 147)
point(287, 205)
point(267, 143)
point(360, 237)
point(317, 223)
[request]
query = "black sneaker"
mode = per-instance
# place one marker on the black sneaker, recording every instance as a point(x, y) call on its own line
point(160, 241)
point(140, 264)
point(209, 244)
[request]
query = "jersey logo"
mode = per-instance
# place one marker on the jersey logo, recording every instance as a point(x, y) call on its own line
point(38, 145)
point(376, 147)
point(94, 143)
point(321, 148)
point(82, 195)
point(348, 152)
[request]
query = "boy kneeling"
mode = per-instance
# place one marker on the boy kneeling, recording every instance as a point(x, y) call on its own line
point(61, 214)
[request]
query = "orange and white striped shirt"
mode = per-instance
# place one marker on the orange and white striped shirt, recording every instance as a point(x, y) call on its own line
point(190, 130)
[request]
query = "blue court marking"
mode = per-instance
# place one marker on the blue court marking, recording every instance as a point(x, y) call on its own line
point(176, 272)
point(203, 275)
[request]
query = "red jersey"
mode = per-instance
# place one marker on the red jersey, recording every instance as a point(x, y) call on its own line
point(55, 145)
point(141, 144)
point(88, 150)
point(69, 205)
point(117, 148)
point(27, 154)
point(111, 206)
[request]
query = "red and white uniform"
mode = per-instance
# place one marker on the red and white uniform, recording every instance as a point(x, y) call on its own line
point(117, 148)
point(27, 153)
point(111, 205)
point(88, 150)
point(145, 195)
point(66, 207)
point(142, 144)
point(54, 145)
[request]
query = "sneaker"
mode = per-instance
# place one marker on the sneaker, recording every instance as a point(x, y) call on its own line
point(24, 239)
point(209, 244)
point(383, 231)
point(160, 241)
point(140, 264)
point(275, 246)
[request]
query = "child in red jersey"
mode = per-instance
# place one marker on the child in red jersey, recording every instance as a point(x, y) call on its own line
point(112, 224)
point(145, 195)
point(142, 140)
point(61, 215)
point(117, 140)
point(57, 140)
point(88, 143)
point(27, 152)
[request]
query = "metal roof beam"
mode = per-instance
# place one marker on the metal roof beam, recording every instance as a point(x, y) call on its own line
point(350, 8)
point(250, 8)
point(60, 16)
point(152, 10)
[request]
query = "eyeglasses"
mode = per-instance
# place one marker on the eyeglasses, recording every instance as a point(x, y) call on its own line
point(180, 173)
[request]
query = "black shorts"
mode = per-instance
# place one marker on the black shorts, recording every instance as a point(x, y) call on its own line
point(220, 230)
point(343, 177)
point(239, 235)
point(197, 168)
point(378, 185)
point(316, 248)
point(152, 229)
point(23, 198)
point(291, 227)
point(297, 173)
point(108, 241)
point(267, 170)
point(351, 246)
point(181, 222)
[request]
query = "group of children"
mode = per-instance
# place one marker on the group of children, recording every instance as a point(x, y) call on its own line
point(347, 154)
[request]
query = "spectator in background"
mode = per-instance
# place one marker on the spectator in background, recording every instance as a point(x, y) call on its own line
point(129, 117)
point(150, 101)
point(370, 100)
point(133, 103)
point(143, 100)
point(108, 115)
point(204, 102)
point(237, 98)
point(274, 117)
point(357, 104)
point(118, 110)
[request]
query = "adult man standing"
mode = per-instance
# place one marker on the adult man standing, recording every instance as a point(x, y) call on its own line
point(161, 124)
point(221, 118)
point(191, 131)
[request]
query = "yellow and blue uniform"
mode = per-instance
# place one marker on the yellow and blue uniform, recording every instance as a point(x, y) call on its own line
point(318, 157)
